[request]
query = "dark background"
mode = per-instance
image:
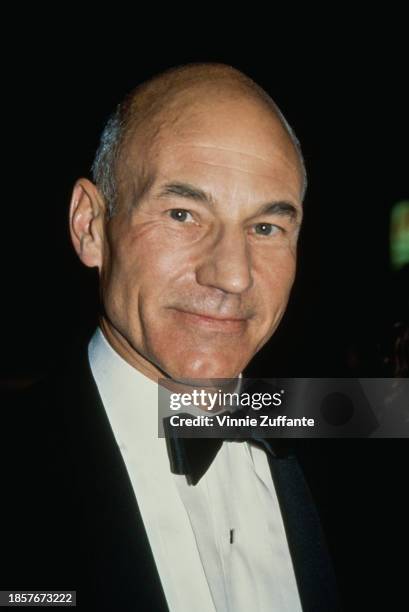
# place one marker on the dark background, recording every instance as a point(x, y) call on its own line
point(348, 106)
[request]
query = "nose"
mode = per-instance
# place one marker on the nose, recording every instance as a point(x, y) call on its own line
point(226, 265)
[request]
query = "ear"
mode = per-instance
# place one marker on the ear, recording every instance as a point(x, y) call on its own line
point(87, 211)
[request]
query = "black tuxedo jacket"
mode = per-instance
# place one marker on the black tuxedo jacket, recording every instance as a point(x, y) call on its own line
point(70, 521)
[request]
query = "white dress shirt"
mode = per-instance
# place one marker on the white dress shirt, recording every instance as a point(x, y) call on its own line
point(218, 546)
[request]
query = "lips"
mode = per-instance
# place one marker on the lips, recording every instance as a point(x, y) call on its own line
point(211, 322)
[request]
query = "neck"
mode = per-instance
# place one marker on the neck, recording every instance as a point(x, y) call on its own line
point(128, 353)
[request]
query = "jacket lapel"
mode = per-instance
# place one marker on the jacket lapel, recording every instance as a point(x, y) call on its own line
point(312, 564)
point(117, 568)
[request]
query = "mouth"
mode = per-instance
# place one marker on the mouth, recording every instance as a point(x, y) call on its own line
point(229, 325)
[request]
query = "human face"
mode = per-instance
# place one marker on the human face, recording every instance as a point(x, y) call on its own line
point(197, 273)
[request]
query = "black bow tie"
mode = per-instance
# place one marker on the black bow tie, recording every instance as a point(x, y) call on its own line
point(193, 456)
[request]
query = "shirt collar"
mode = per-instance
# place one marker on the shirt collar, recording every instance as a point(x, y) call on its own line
point(130, 398)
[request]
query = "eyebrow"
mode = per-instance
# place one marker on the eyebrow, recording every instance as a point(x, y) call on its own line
point(281, 208)
point(185, 190)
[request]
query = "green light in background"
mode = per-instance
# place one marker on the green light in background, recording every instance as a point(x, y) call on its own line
point(399, 234)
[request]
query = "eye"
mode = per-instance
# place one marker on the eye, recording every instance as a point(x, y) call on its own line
point(181, 215)
point(267, 229)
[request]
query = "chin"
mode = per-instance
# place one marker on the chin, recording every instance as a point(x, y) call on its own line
point(202, 368)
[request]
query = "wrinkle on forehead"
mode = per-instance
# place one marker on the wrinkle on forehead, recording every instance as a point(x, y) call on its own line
point(229, 167)
point(235, 128)
point(252, 156)
point(209, 127)
point(278, 166)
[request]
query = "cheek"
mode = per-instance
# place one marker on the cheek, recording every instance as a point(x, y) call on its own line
point(274, 284)
point(275, 276)
point(140, 273)
point(141, 258)
point(284, 277)
point(157, 253)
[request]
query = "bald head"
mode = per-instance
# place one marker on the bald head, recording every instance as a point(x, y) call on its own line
point(166, 102)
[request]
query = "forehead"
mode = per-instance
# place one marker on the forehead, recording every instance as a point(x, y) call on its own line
point(227, 147)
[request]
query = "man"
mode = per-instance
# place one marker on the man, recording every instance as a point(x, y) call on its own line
point(203, 188)
point(192, 222)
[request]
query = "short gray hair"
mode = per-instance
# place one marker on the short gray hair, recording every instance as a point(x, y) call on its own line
point(104, 164)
